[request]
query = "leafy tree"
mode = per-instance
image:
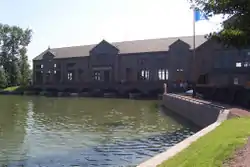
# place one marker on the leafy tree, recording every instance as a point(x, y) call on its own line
point(236, 30)
point(13, 43)
point(3, 79)
point(24, 68)
point(15, 74)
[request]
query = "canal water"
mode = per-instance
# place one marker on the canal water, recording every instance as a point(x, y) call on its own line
point(40, 131)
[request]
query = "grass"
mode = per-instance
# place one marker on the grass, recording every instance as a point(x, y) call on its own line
point(214, 148)
point(12, 88)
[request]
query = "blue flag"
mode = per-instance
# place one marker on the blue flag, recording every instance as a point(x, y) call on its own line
point(199, 15)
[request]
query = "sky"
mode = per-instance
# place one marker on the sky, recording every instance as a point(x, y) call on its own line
point(60, 23)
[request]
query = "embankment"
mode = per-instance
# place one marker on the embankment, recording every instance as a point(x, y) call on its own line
point(214, 148)
point(209, 116)
point(199, 112)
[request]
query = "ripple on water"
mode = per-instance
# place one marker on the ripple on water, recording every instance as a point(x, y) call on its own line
point(84, 132)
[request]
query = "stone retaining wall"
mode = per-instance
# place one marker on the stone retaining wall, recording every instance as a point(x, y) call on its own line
point(198, 112)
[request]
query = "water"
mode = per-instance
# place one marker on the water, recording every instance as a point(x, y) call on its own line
point(83, 131)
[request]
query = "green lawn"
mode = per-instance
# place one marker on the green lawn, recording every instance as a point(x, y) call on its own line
point(12, 88)
point(212, 149)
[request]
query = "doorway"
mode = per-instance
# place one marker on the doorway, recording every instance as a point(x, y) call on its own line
point(106, 76)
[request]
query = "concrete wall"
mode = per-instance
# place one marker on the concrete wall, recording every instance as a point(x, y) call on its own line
point(197, 111)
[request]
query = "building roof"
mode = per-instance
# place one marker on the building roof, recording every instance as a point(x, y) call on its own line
point(126, 47)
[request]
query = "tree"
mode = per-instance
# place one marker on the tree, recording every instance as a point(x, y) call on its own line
point(13, 43)
point(236, 30)
point(15, 74)
point(24, 68)
point(3, 80)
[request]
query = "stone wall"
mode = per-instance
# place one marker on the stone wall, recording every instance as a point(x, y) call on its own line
point(199, 112)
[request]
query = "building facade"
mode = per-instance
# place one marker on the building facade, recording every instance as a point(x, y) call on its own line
point(143, 65)
point(223, 66)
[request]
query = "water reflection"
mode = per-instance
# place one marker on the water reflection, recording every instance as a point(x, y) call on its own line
point(120, 153)
point(39, 130)
point(12, 129)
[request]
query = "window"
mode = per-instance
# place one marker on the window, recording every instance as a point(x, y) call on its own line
point(246, 64)
point(97, 75)
point(54, 65)
point(70, 76)
point(41, 65)
point(55, 72)
point(163, 74)
point(236, 81)
point(144, 75)
point(179, 70)
point(238, 64)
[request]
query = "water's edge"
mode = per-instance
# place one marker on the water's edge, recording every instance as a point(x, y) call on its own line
point(160, 158)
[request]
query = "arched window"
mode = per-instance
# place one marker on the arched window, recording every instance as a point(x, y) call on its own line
point(163, 74)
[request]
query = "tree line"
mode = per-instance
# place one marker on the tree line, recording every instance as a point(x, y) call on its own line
point(14, 66)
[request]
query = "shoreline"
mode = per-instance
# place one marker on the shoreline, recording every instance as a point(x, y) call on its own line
point(223, 115)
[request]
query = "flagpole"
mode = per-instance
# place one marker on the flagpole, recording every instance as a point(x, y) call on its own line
point(194, 54)
point(194, 33)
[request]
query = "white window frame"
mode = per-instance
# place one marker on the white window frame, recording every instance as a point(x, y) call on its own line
point(97, 75)
point(163, 74)
point(236, 81)
point(238, 64)
point(145, 74)
point(70, 76)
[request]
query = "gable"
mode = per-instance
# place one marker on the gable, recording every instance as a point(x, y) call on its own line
point(179, 44)
point(48, 55)
point(104, 48)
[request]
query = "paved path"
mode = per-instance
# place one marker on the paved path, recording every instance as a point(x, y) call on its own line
point(201, 101)
point(238, 112)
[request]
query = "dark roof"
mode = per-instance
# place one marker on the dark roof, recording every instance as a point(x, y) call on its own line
point(126, 47)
